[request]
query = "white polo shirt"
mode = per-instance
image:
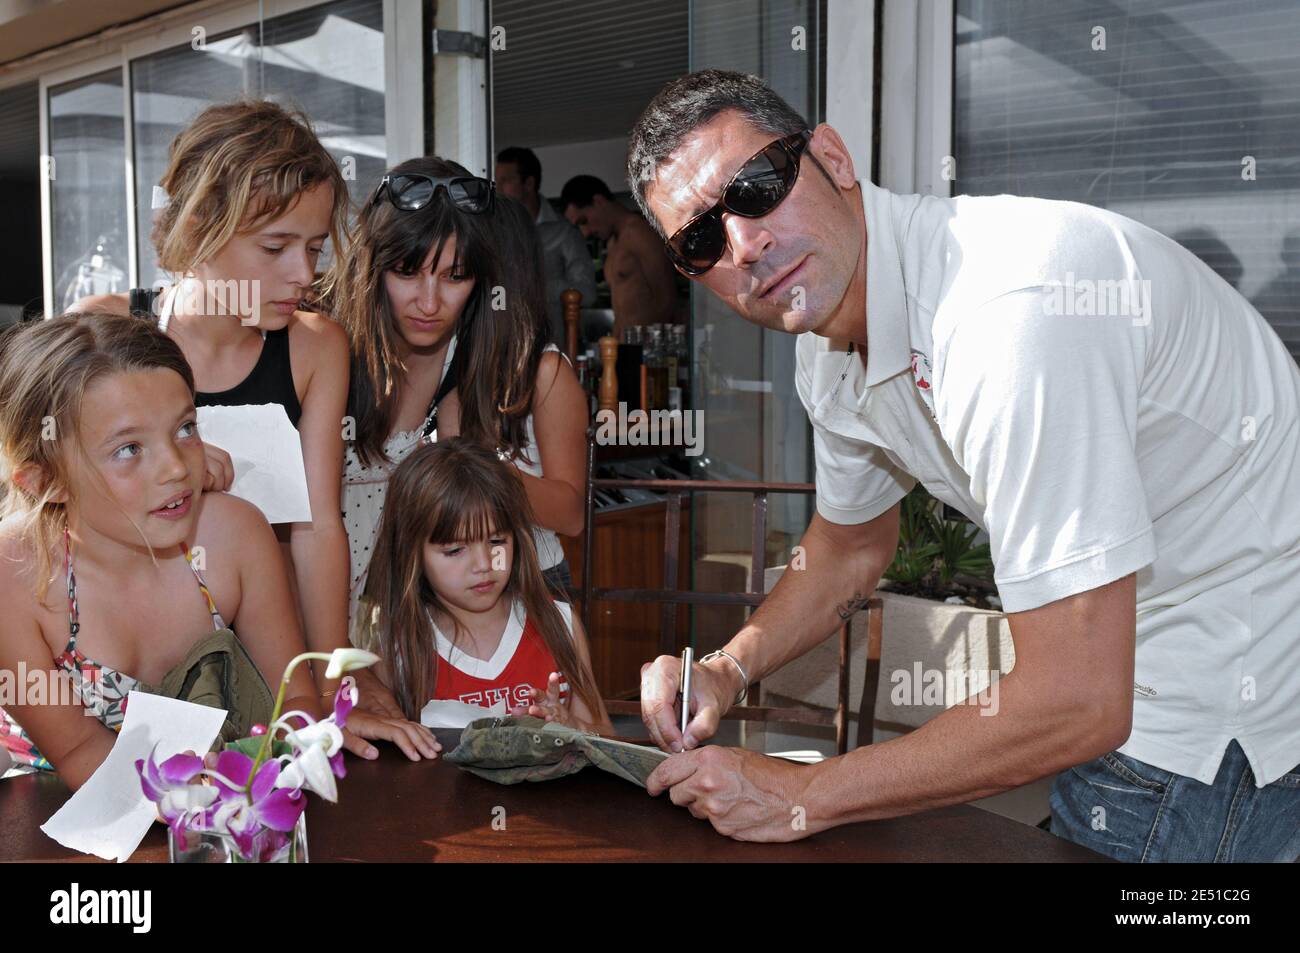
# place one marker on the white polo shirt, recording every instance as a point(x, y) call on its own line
point(1101, 403)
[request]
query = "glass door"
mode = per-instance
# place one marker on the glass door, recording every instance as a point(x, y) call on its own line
point(1182, 114)
point(755, 427)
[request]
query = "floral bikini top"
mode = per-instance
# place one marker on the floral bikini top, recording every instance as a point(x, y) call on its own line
point(102, 690)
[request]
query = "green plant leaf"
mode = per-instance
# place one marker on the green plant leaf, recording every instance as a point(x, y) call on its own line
point(250, 747)
point(933, 550)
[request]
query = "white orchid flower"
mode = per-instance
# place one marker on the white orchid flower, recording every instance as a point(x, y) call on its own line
point(346, 660)
point(322, 733)
point(309, 770)
point(190, 800)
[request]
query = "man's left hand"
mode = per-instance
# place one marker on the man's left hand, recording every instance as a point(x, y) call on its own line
point(744, 795)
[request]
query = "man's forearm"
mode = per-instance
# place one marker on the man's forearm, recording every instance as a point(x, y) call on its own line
point(807, 604)
point(999, 739)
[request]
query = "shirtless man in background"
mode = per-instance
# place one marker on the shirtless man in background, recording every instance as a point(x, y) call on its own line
point(641, 280)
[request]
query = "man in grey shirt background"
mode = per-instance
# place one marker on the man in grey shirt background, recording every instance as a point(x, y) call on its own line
point(568, 263)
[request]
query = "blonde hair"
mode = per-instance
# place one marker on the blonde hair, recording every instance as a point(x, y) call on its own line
point(233, 167)
point(45, 370)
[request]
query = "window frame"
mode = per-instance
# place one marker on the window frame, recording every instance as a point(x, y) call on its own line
point(850, 78)
point(48, 81)
point(404, 111)
point(916, 104)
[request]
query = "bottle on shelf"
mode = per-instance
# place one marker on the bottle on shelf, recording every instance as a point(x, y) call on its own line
point(631, 368)
point(583, 370)
point(680, 375)
point(656, 369)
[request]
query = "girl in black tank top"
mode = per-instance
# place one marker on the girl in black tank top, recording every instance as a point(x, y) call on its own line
point(250, 190)
point(270, 381)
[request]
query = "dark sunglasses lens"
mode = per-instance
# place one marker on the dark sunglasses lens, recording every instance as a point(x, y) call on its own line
point(470, 194)
point(762, 183)
point(699, 246)
point(410, 192)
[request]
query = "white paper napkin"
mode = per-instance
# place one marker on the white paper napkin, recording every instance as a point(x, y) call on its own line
point(267, 453)
point(109, 815)
point(454, 714)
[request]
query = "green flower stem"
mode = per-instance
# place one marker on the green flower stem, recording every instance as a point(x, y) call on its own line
point(265, 748)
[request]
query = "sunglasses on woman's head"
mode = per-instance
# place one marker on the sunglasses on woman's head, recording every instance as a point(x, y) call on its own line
point(762, 182)
point(411, 191)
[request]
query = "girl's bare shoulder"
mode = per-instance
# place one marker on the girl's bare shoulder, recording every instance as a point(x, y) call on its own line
point(17, 569)
point(227, 522)
point(550, 365)
point(317, 327)
point(320, 339)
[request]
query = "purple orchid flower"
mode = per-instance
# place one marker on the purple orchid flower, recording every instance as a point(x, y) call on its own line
point(259, 808)
point(265, 808)
point(168, 785)
point(276, 808)
point(344, 701)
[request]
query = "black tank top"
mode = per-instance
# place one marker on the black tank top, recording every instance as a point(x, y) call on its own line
point(270, 381)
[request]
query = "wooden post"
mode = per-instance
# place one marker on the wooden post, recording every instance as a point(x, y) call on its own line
point(608, 375)
point(572, 299)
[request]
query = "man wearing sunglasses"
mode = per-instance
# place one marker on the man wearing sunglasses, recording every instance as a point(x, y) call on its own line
point(1133, 453)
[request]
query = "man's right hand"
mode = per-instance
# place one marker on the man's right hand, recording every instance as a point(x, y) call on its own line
point(841, 567)
point(712, 692)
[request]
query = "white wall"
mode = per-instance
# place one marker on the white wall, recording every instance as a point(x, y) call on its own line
point(604, 158)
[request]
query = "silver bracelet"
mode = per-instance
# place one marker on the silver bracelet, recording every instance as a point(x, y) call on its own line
point(720, 653)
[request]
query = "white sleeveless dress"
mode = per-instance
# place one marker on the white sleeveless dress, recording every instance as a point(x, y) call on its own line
point(364, 490)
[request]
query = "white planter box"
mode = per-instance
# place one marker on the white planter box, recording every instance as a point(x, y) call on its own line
point(932, 656)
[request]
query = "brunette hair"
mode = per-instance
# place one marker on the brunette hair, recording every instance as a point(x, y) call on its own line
point(503, 349)
point(453, 491)
point(45, 369)
point(500, 333)
point(386, 238)
point(689, 102)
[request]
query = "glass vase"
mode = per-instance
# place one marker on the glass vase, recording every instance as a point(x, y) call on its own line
point(198, 845)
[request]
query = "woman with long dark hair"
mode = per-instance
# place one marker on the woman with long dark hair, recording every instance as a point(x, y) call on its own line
point(442, 298)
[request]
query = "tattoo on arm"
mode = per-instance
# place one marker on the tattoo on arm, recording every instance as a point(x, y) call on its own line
point(845, 611)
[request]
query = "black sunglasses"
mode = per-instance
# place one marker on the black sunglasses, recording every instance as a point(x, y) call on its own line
point(762, 182)
point(411, 191)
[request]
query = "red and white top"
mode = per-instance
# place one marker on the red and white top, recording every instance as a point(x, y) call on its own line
point(521, 661)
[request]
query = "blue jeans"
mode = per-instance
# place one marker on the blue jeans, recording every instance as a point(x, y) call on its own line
point(1129, 810)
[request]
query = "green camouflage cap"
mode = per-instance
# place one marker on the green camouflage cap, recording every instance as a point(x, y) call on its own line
point(515, 748)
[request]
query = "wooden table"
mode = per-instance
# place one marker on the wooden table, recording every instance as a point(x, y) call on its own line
point(395, 810)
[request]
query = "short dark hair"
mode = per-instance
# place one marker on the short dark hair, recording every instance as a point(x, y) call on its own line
point(687, 103)
point(581, 189)
point(526, 160)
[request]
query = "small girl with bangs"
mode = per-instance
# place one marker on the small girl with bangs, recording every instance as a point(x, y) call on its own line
point(458, 606)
